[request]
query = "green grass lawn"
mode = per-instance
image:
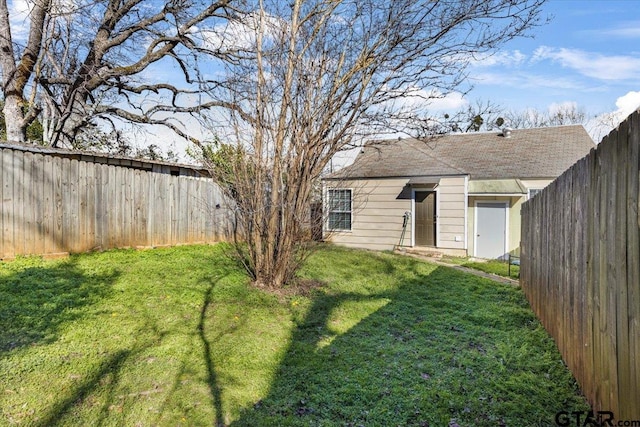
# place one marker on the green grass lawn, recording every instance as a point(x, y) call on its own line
point(501, 268)
point(494, 266)
point(177, 337)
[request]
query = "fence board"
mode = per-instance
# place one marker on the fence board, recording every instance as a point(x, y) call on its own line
point(130, 208)
point(39, 202)
point(581, 269)
point(52, 203)
point(633, 261)
point(48, 220)
point(620, 290)
point(18, 205)
point(99, 203)
point(140, 219)
point(111, 207)
point(183, 207)
point(90, 242)
point(82, 244)
point(588, 378)
point(64, 210)
point(58, 225)
point(608, 314)
point(7, 205)
point(31, 199)
point(175, 214)
point(117, 207)
point(74, 205)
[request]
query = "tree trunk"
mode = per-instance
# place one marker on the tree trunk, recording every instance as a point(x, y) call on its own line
point(282, 244)
point(14, 119)
point(71, 120)
point(17, 74)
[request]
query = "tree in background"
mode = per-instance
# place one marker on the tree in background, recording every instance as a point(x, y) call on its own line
point(488, 116)
point(568, 114)
point(70, 63)
point(94, 139)
point(34, 132)
point(305, 79)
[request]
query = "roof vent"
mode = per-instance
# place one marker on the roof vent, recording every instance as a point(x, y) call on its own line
point(506, 132)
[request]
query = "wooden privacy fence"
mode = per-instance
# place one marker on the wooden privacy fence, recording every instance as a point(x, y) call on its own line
point(581, 269)
point(56, 202)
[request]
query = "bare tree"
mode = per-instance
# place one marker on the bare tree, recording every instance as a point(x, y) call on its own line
point(564, 114)
point(88, 59)
point(475, 117)
point(16, 74)
point(307, 78)
point(487, 116)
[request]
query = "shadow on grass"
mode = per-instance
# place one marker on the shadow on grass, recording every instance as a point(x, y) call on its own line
point(107, 369)
point(39, 299)
point(36, 301)
point(208, 338)
point(442, 346)
point(212, 378)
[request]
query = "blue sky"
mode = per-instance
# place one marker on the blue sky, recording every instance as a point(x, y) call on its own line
point(589, 54)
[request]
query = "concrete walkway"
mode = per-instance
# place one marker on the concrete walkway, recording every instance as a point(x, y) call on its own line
point(490, 276)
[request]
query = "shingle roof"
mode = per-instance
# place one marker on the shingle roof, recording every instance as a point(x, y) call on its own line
point(527, 153)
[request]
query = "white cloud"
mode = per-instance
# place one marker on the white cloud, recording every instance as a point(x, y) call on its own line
point(562, 107)
point(452, 101)
point(20, 11)
point(628, 103)
point(623, 30)
point(591, 64)
point(502, 58)
point(625, 33)
point(526, 80)
point(602, 124)
point(237, 35)
point(431, 100)
point(19, 18)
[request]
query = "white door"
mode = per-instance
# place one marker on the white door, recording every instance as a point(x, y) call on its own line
point(491, 230)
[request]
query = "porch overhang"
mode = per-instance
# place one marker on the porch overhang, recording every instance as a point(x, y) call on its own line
point(492, 187)
point(424, 181)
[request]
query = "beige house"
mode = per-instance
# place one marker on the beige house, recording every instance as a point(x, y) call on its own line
point(457, 194)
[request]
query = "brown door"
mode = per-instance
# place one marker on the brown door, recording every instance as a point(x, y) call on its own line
point(425, 220)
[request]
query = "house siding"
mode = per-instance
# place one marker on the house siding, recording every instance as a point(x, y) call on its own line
point(451, 215)
point(378, 209)
point(379, 206)
point(515, 220)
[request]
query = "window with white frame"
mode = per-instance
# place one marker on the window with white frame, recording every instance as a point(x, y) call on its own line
point(339, 208)
point(534, 191)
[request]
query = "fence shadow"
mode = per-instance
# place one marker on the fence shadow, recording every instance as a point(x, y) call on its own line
point(36, 301)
